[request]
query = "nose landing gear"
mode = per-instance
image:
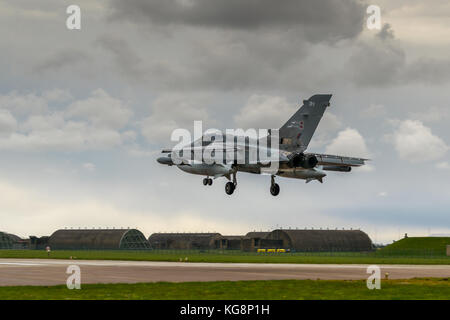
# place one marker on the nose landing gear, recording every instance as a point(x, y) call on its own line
point(207, 182)
point(274, 187)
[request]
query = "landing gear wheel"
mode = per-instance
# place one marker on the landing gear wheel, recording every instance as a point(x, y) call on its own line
point(207, 182)
point(229, 187)
point(275, 189)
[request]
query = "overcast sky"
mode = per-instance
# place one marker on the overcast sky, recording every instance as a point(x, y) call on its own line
point(84, 113)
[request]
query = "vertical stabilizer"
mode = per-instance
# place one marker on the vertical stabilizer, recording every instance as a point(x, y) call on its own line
point(297, 132)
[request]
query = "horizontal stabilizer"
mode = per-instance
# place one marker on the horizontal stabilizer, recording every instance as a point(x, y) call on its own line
point(311, 179)
point(332, 160)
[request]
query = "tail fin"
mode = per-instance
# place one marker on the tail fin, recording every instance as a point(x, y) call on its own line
point(297, 132)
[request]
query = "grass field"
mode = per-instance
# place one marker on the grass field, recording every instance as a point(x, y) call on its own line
point(234, 256)
point(241, 290)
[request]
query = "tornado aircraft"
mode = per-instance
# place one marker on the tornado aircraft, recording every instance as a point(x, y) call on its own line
point(280, 152)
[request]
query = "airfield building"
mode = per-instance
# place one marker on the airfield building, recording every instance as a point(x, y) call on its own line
point(8, 240)
point(259, 240)
point(322, 240)
point(229, 242)
point(202, 241)
point(38, 243)
point(98, 239)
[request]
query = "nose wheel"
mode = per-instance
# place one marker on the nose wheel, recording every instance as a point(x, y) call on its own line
point(207, 182)
point(274, 187)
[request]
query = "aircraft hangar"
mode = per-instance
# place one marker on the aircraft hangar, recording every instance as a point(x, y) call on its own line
point(7, 240)
point(322, 240)
point(294, 240)
point(98, 239)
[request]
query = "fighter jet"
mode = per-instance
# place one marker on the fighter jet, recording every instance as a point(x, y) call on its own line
point(286, 148)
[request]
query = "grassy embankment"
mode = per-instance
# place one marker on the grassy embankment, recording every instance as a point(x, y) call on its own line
point(415, 245)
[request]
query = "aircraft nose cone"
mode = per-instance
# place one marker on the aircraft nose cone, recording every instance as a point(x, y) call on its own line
point(165, 160)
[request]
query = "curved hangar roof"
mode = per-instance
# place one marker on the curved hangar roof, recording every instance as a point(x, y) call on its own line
point(257, 234)
point(7, 240)
point(323, 240)
point(98, 239)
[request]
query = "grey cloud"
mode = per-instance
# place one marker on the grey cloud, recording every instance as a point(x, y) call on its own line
point(376, 64)
point(174, 110)
point(383, 62)
point(386, 32)
point(94, 123)
point(236, 62)
point(428, 70)
point(319, 20)
point(61, 60)
point(126, 60)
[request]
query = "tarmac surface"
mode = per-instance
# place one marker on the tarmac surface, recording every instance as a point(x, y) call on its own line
point(53, 271)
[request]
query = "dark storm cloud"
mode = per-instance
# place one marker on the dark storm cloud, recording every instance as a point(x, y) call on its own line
point(319, 20)
point(252, 44)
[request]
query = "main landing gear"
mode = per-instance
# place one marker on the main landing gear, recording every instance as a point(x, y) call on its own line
point(231, 186)
point(274, 187)
point(207, 182)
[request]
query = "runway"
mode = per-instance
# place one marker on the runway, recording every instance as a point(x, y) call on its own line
point(53, 271)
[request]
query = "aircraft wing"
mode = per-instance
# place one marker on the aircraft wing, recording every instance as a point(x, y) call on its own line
point(227, 148)
point(332, 160)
